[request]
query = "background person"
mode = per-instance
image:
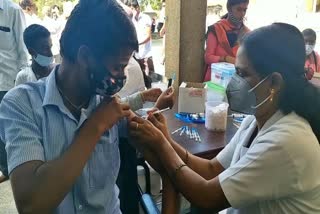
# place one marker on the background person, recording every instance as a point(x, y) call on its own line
point(313, 59)
point(224, 36)
point(271, 164)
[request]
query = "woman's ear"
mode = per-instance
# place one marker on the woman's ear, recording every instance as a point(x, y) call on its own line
point(276, 81)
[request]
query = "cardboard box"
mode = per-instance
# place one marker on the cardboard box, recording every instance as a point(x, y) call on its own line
point(192, 97)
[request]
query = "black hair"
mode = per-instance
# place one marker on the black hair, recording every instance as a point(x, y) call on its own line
point(26, 3)
point(280, 48)
point(33, 33)
point(134, 4)
point(55, 6)
point(231, 3)
point(101, 25)
point(310, 32)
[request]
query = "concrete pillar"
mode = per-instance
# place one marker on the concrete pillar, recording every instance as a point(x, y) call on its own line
point(185, 39)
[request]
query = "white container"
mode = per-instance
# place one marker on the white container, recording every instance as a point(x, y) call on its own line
point(221, 73)
point(192, 97)
point(216, 116)
point(215, 92)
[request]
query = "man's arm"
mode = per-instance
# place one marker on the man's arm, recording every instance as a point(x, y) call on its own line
point(148, 24)
point(18, 29)
point(34, 178)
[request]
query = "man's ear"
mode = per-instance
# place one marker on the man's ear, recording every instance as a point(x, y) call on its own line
point(32, 52)
point(84, 57)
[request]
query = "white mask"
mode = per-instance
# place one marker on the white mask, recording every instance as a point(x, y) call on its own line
point(43, 61)
point(309, 49)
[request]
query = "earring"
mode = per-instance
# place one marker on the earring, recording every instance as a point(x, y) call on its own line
point(272, 92)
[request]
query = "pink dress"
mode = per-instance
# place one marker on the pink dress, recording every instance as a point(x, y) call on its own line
point(312, 65)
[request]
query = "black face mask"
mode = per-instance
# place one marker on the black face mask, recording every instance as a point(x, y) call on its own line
point(104, 83)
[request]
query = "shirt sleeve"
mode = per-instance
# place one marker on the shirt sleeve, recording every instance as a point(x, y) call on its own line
point(226, 155)
point(259, 175)
point(18, 130)
point(135, 101)
point(210, 54)
point(19, 27)
point(148, 21)
point(21, 78)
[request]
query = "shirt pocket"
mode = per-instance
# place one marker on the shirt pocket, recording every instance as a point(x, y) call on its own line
point(6, 39)
point(103, 164)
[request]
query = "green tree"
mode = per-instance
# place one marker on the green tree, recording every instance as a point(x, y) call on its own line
point(155, 4)
point(41, 3)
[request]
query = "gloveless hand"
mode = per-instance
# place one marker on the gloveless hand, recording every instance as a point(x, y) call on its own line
point(145, 135)
point(166, 99)
point(109, 112)
point(151, 95)
point(159, 121)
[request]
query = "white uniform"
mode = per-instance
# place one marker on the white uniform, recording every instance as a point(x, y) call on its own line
point(134, 82)
point(25, 75)
point(279, 173)
point(141, 25)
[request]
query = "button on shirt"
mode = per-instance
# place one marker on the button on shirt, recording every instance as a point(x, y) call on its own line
point(278, 173)
point(35, 125)
point(13, 53)
point(142, 24)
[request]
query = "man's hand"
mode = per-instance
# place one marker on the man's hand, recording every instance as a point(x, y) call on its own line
point(109, 112)
point(166, 99)
point(151, 95)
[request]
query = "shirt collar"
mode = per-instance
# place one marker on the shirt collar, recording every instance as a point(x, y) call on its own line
point(53, 97)
point(277, 116)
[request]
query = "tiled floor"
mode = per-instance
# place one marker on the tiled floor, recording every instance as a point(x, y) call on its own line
point(7, 205)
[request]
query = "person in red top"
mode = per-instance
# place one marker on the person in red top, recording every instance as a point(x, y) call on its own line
point(223, 37)
point(313, 59)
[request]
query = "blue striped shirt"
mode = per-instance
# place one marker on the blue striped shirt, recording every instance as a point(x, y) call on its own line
point(36, 125)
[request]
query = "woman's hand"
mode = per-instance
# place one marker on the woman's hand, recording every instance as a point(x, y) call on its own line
point(151, 95)
point(146, 135)
point(166, 99)
point(159, 121)
point(230, 59)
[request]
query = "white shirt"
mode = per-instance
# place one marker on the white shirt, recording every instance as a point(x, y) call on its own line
point(279, 173)
point(134, 82)
point(32, 19)
point(13, 53)
point(141, 25)
point(25, 75)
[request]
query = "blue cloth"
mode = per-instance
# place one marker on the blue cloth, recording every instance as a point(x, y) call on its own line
point(35, 125)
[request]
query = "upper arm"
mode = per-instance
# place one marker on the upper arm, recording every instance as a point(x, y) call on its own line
point(25, 153)
point(264, 173)
point(19, 130)
point(148, 23)
point(211, 47)
point(212, 44)
point(216, 166)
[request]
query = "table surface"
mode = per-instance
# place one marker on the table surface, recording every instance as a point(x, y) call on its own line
point(211, 142)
